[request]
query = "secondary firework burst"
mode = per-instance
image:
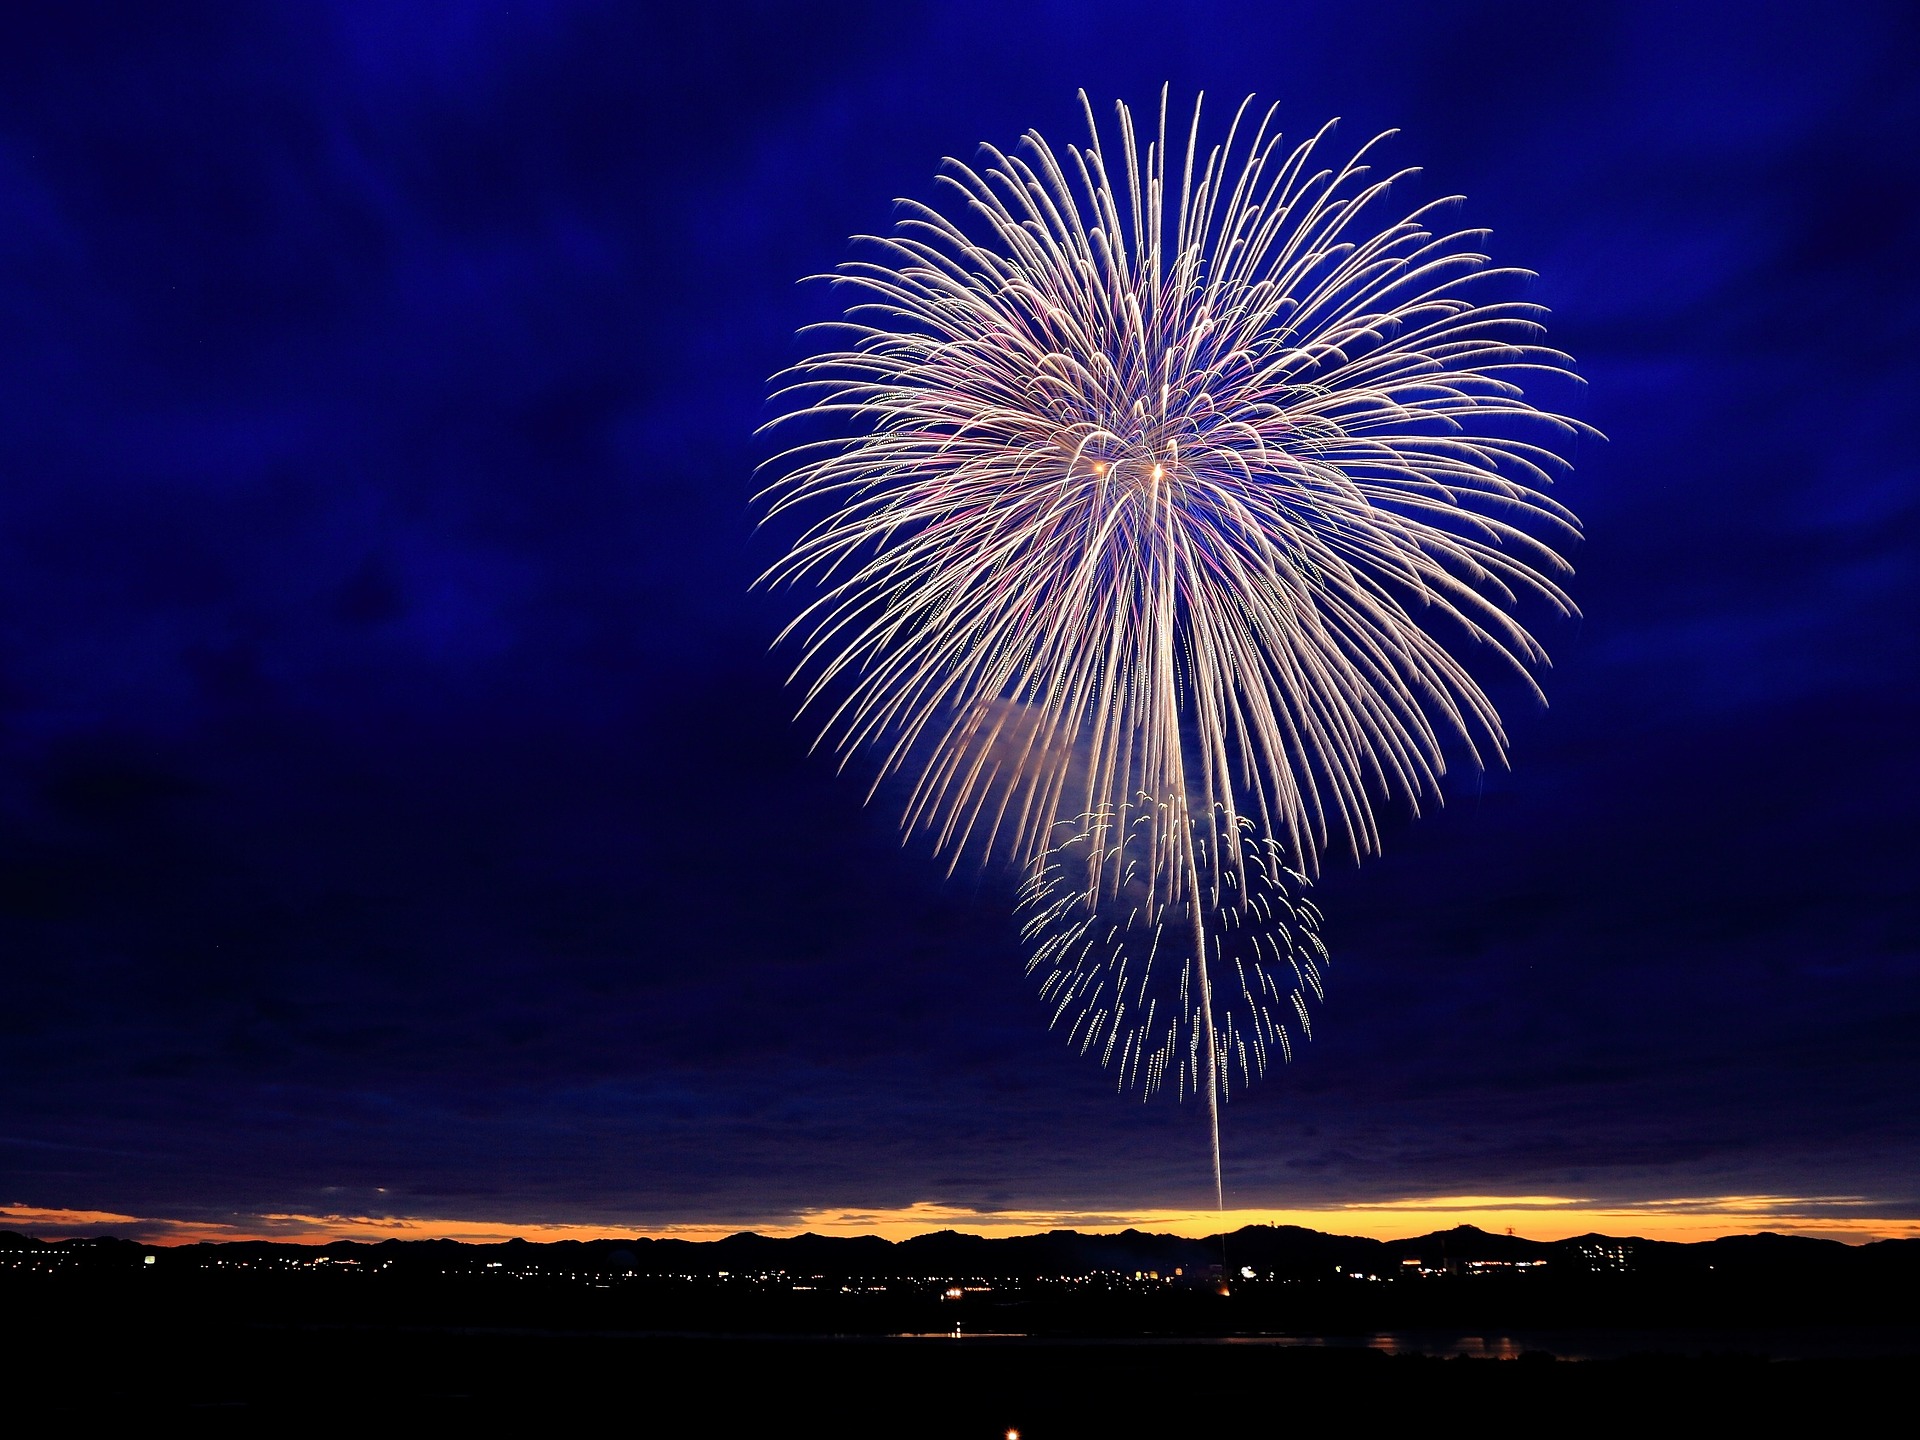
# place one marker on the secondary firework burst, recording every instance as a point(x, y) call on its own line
point(1163, 489)
point(1112, 958)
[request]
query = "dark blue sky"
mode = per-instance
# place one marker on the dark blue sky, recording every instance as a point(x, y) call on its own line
point(398, 807)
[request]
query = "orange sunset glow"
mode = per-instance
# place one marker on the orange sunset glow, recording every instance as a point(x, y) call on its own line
point(1537, 1217)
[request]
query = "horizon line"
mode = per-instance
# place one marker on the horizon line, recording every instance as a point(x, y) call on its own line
point(1846, 1218)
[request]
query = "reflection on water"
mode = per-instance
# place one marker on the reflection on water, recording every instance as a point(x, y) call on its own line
point(1485, 1347)
point(956, 1333)
point(1807, 1343)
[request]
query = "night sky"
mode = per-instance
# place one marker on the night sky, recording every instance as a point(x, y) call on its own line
point(401, 814)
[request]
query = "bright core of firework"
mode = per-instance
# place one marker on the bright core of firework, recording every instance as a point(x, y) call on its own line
point(1164, 487)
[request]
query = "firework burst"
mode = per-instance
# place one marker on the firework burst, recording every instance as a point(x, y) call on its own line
point(1165, 490)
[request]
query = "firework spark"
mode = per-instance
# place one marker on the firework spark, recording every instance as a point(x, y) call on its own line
point(1163, 492)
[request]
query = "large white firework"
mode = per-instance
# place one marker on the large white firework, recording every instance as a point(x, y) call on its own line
point(1163, 489)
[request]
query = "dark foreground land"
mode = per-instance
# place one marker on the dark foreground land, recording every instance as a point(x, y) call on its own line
point(1108, 1336)
point(376, 1380)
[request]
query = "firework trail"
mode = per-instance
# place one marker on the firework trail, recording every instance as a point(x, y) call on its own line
point(1162, 488)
